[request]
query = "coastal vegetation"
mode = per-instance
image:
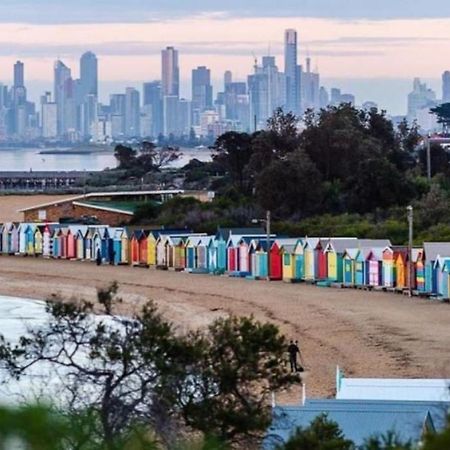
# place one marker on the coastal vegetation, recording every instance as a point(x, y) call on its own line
point(347, 172)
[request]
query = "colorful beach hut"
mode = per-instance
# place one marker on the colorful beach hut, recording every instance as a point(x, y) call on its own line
point(374, 266)
point(192, 245)
point(442, 267)
point(419, 263)
point(349, 263)
point(311, 250)
point(277, 257)
point(334, 253)
point(431, 251)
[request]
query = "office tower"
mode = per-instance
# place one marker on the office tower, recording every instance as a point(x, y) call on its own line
point(49, 120)
point(446, 87)
point(291, 71)
point(170, 106)
point(117, 111)
point(90, 115)
point(227, 78)
point(233, 92)
point(153, 103)
point(61, 93)
point(324, 97)
point(184, 117)
point(88, 75)
point(335, 97)
point(19, 74)
point(132, 113)
point(310, 88)
point(170, 72)
point(348, 98)
point(202, 93)
point(267, 90)
point(420, 98)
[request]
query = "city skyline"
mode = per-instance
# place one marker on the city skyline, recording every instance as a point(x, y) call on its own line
point(352, 42)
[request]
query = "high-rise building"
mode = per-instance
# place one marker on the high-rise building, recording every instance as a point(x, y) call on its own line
point(171, 119)
point(420, 98)
point(170, 72)
point(310, 88)
point(153, 103)
point(324, 97)
point(88, 75)
point(446, 87)
point(49, 120)
point(227, 78)
point(291, 71)
point(61, 94)
point(19, 79)
point(267, 91)
point(132, 113)
point(202, 92)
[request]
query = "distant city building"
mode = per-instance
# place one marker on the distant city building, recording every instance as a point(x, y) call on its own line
point(202, 92)
point(61, 94)
point(153, 104)
point(170, 72)
point(446, 87)
point(132, 113)
point(291, 71)
point(310, 88)
point(324, 98)
point(420, 98)
point(49, 120)
point(337, 97)
point(267, 91)
point(89, 74)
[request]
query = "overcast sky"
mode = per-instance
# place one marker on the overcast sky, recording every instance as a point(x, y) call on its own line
point(380, 45)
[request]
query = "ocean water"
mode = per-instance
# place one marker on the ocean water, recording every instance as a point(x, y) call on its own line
point(29, 159)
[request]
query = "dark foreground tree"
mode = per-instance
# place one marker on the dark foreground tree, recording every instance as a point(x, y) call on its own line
point(322, 434)
point(138, 373)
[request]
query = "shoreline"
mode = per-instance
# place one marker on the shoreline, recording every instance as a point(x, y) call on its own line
point(367, 334)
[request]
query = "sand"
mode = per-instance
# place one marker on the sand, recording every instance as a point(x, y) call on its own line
point(10, 204)
point(368, 334)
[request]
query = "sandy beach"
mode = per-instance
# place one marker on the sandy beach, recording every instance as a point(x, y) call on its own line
point(367, 334)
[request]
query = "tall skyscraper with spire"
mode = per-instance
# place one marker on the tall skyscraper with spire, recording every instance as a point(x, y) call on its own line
point(291, 71)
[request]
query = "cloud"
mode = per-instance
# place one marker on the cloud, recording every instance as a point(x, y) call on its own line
point(139, 11)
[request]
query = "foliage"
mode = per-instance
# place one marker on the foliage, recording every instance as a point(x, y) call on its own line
point(232, 372)
point(322, 434)
point(443, 113)
point(390, 441)
point(119, 375)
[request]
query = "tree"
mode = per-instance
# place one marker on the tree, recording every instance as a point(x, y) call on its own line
point(322, 434)
point(389, 441)
point(234, 151)
point(233, 370)
point(113, 367)
point(125, 156)
point(443, 115)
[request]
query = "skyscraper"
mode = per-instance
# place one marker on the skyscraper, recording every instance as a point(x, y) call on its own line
point(153, 101)
point(132, 113)
point(88, 74)
point(446, 87)
point(170, 72)
point(19, 74)
point(61, 93)
point(202, 93)
point(291, 71)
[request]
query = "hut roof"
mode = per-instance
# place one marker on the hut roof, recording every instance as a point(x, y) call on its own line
point(374, 243)
point(352, 252)
point(434, 249)
point(225, 233)
point(339, 245)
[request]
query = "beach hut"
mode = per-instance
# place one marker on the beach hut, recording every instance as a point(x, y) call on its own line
point(22, 235)
point(192, 245)
point(161, 253)
point(261, 259)
point(152, 238)
point(89, 243)
point(244, 255)
point(71, 241)
point(120, 251)
point(299, 260)
point(80, 242)
point(5, 238)
point(419, 263)
point(38, 240)
point(431, 251)
point(203, 254)
point(349, 264)
point(388, 267)
point(374, 267)
point(334, 252)
point(361, 267)
point(48, 232)
point(212, 255)
point(322, 262)
point(233, 248)
point(276, 256)
point(29, 239)
point(442, 266)
point(311, 252)
point(177, 246)
point(401, 267)
point(289, 266)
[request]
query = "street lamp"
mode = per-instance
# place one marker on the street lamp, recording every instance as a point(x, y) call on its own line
point(266, 221)
point(410, 213)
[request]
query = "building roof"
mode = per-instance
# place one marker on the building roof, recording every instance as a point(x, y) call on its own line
point(225, 233)
point(433, 390)
point(92, 195)
point(339, 245)
point(374, 243)
point(352, 252)
point(357, 422)
point(433, 249)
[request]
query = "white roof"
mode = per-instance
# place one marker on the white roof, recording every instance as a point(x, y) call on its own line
point(396, 389)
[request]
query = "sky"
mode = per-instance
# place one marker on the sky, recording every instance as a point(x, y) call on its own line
point(373, 51)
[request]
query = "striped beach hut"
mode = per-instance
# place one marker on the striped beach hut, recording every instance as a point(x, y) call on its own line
point(48, 235)
point(419, 263)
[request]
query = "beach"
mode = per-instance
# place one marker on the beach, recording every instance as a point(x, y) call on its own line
point(367, 334)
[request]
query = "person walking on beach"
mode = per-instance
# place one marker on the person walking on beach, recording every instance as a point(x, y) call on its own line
point(293, 350)
point(98, 257)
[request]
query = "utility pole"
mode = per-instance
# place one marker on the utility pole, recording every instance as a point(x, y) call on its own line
point(428, 157)
point(410, 211)
point(268, 243)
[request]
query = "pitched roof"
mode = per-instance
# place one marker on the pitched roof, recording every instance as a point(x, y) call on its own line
point(352, 252)
point(433, 249)
point(225, 233)
point(374, 243)
point(339, 245)
point(356, 421)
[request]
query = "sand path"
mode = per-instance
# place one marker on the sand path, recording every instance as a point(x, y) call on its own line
point(368, 334)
